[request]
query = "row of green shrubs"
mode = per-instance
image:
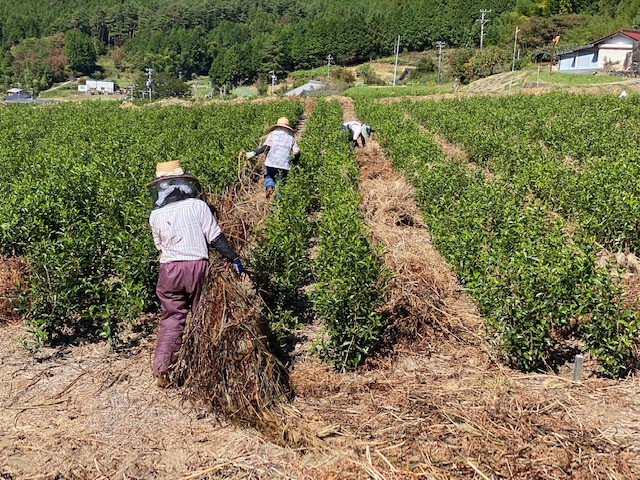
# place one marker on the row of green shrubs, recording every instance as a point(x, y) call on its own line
point(349, 273)
point(343, 283)
point(537, 285)
point(577, 153)
point(75, 205)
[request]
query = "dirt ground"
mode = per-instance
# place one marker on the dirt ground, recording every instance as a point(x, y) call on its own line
point(440, 406)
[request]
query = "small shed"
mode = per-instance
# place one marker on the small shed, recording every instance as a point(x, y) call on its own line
point(579, 58)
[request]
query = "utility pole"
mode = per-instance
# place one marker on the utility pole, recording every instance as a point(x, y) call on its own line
point(439, 44)
point(554, 43)
point(482, 21)
point(515, 44)
point(395, 68)
point(273, 80)
point(329, 58)
point(149, 82)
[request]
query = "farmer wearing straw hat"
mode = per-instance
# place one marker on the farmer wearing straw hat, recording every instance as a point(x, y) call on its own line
point(279, 145)
point(357, 131)
point(183, 229)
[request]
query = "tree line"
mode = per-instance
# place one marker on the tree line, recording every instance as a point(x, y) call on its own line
point(234, 41)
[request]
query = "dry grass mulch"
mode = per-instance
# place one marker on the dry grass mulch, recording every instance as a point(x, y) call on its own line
point(442, 407)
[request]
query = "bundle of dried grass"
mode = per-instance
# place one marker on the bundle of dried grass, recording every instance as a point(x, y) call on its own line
point(225, 363)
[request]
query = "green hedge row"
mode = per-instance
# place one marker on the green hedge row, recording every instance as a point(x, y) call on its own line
point(75, 205)
point(537, 286)
point(578, 153)
point(349, 272)
point(345, 278)
point(281, 256)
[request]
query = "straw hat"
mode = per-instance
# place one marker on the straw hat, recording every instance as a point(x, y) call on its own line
point(165, 169)
point(283, 122)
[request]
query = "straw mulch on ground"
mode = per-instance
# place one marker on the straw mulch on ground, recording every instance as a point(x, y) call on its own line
point(414, 307)
point(442, 407)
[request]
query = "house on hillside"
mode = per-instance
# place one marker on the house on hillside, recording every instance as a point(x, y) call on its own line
point(17, 95)
point(620, 50)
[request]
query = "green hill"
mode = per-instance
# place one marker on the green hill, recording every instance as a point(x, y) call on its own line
point(234, 41)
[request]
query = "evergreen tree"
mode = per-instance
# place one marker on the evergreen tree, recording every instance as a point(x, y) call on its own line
point(285, 35)
point(79, 50)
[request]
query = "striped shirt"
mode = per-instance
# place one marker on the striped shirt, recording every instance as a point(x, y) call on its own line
point(281, 145)
point(183, 230)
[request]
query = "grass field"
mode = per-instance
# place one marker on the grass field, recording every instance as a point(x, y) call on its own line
point(573, 78)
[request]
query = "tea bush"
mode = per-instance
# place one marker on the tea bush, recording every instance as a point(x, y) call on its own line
point(76, 205)
point(349, 273)
point(536, 284)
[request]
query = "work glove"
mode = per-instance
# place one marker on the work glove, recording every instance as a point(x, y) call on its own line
point(249, 155)
point(237, 266)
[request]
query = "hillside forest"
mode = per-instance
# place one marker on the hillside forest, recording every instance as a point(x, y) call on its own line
point(235, 42)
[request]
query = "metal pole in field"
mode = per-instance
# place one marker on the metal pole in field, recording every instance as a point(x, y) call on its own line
point(577, 367)
point(515, 45)
point(329, 58)
point(149, 82)
point(439, 44)
point(482, 21)
point(395, 68)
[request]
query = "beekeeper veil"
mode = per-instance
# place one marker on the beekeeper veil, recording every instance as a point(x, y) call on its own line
point(172, 185)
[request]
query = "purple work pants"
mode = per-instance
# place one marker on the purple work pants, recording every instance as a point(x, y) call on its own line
point(178, 288)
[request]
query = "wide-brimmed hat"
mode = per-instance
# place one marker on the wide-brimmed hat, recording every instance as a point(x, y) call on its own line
point(283, 122)
point(172, 184)
point(171, 168)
